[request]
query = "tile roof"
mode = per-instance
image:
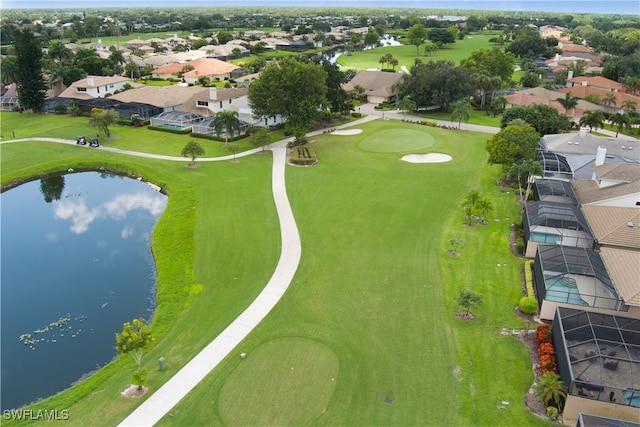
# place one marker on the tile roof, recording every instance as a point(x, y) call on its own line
point(570, 47)
point(376, 83)
point(587, 191)
point(597, 81)
point(202, 67)
point(609, 225)
point(618, 171)
point(159, 96)
point(623, 267)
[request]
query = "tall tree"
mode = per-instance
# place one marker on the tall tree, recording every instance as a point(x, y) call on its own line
point(437, 83)
point(619, 120)
point(494, 61)
point(610, 99)
point(569, 102)
point(545, 119)
point(593, 119)
point(31, 85)
point(227, 122)
point(417, 34)
point(292, 89)
point(460, 111)
point(513, 144)
point(406, 104)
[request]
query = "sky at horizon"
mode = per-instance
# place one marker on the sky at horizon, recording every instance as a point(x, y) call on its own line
point(625, 7)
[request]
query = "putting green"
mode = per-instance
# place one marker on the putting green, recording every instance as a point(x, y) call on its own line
point(397, 141)
point(287, 381)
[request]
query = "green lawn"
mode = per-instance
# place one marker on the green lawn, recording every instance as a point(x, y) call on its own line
point(476, 117)
point(123, 137)
point(406, 54)
point(366, 334)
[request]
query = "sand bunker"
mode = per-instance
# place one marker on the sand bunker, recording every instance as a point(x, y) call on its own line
point(347, 132)
point(426, 158)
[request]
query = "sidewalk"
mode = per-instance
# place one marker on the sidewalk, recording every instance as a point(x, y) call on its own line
point(165, 398)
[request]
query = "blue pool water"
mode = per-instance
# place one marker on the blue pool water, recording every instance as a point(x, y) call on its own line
point(563, 289)
point(551, 239)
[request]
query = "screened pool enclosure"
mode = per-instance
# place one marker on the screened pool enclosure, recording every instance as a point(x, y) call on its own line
point(179, 120)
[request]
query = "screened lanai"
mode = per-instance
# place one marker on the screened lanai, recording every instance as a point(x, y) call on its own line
point(145, 111)
point(554, 165)
point(570, 275)
point(554, 224)
point(179, 120)
point(206, 127)
point(554, 190)
point(598, 356)
point(588, 420)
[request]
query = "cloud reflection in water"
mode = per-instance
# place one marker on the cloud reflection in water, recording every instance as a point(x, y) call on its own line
point(81, 216)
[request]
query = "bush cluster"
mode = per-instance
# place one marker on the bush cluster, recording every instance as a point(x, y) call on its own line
point(528, 305)
point(303, 156)
point(546, 352)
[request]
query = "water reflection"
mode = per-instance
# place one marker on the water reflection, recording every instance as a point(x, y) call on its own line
point(75, 267)
point(52, 187)
point(81, 216)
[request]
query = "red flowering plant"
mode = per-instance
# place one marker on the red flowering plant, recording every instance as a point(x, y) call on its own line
point(543, 333)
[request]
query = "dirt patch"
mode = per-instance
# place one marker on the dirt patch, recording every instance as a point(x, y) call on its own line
point(453, 254)
point(133, 391)
point(464, 315)
point(193, 166)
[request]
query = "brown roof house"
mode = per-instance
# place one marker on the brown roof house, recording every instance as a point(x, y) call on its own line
point(168, 98)
point(378, 85)
point(209, 101)
point(613, 184)
point(209, 67)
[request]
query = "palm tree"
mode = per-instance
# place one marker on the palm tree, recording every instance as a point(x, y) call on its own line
point(619, 120)
point(568, 102)
point(227, 120)
point(394, 63)
point(460, 111)
point(483, 82)
point(407, 104)
point(610, 99)
point(550, 389)
point(629, 105)
point(593, 119)
point(382, 60)
point(483, 207)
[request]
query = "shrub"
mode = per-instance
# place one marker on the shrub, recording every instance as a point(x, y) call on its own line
point(543, 333)
point(528, 277)
point(303, 156)
point(547, 364)
point(169, 130)
point(546, 348)
point(552, 412)
point(354, 114)
point(528, 305)
point(428, 123)
point(60, 109)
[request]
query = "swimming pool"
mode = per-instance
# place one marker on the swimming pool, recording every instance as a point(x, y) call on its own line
point(552, 239)
point(563, 289)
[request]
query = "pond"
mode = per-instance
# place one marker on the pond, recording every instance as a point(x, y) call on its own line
point(76, 264)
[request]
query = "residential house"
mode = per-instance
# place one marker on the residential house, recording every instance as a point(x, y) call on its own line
point(540, 95)
point(96, 87)
point(203, 67)
point(575, 153)
point(167, 98)
point(209, 101)
point(378, 85)
point(613, 184)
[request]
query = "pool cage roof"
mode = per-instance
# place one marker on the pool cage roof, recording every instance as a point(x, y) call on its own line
point(554, 189)
point(598, 354)
point(179, 117)
point(564, 260)
point(555, 164)
point(588, 420)
point(556, 215)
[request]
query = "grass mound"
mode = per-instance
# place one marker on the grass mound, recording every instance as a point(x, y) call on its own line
point(287, 381)
point(397, 141)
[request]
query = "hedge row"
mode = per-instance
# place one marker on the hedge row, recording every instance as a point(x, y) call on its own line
point(217, 138)
point(528, 304)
